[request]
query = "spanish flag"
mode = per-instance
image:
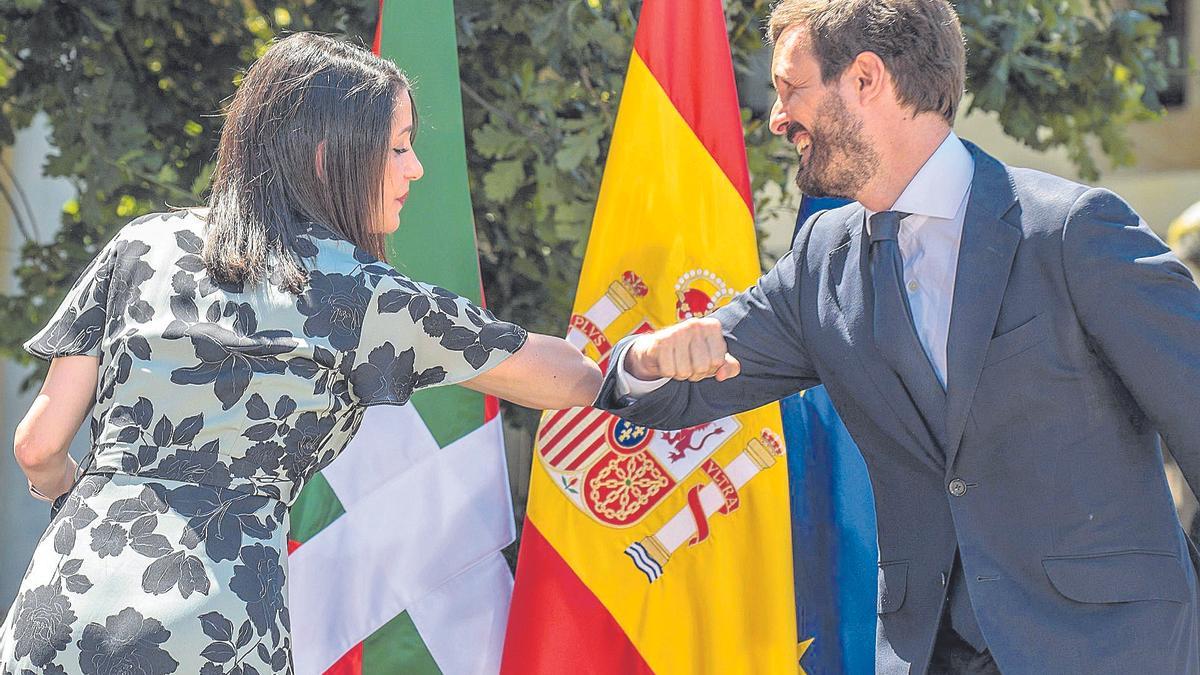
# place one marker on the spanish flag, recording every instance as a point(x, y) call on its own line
point(660, 551)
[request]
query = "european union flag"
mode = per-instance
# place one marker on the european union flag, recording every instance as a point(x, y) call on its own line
point(833, 530)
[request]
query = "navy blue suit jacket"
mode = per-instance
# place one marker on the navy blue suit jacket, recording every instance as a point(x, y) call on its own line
point(1074, 342)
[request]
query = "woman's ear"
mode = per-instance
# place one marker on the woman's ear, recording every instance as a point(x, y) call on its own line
point(320, 161)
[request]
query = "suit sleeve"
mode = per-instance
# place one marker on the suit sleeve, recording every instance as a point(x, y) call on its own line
point(1141, 309)
point(762, 330)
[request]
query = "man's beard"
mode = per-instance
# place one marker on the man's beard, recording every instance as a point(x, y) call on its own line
point(838, 162)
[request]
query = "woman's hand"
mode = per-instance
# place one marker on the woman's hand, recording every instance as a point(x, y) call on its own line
point(43, 436)
point(545, 373)
point(50, 489)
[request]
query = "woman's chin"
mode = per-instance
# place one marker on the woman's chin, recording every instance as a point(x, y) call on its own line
point(390, 225)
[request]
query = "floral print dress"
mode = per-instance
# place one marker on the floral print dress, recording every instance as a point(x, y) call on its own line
point(215, 404)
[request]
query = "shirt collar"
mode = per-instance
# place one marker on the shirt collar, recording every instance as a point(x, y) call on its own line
point(939, 187)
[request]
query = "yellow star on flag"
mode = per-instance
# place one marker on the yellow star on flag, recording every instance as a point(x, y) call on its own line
point(800, 649)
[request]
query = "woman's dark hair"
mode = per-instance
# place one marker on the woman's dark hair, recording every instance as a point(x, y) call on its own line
point(306, 91)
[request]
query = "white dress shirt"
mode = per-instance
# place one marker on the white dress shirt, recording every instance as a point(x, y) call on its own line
point(936, 198)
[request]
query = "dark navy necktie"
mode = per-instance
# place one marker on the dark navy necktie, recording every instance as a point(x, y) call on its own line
point(895, 334)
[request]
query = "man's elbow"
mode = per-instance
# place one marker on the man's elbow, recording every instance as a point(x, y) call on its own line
point(654, 411)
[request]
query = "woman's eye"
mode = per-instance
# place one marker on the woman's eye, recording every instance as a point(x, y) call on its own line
point(400, 151)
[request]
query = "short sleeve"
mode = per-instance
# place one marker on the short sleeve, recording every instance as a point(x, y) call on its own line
point(77, 328)
point(415, 335)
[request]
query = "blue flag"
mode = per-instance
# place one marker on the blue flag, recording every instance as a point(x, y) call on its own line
point(833, 529)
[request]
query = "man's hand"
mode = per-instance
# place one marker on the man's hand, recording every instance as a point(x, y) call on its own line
point(693, 350)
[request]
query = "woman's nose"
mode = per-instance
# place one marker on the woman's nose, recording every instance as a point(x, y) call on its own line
point(413, 170)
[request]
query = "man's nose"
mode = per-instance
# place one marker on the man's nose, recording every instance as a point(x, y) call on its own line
point(778, 121)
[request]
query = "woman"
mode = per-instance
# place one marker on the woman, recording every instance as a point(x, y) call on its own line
point(276, 305)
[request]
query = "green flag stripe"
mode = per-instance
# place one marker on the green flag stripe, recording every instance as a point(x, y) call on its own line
point(436, 239)
point(317, 507)
point(397, 648)
point(435, 244)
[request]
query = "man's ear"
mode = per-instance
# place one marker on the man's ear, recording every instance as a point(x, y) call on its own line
point(320, 161)
point(868, 76)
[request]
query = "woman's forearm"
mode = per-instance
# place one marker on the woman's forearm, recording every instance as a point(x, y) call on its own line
point(41, 440)
point(545, 373)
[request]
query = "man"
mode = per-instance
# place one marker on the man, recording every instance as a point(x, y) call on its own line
point(1004, 346)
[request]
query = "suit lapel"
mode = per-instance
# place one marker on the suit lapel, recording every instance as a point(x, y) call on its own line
point(989, 243)
point(852, 297)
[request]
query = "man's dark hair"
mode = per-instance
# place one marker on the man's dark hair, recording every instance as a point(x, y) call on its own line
point(920, 42)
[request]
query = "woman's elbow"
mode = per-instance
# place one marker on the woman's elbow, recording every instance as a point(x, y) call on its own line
point(587, 387)
point(32, 452)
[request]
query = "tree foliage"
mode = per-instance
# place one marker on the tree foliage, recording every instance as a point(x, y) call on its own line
point(1066, 72)
point(132, 91)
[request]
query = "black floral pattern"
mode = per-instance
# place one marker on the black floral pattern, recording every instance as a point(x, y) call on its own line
point(388, 378)
point(216, 404)
point(75, 332)
point(123, 287)
point(127, 644)
point(43, 624)
point(309, 433)
point(335, 305)
point(229, 358)
point(79, 325)
point(258, 581)
point(219, 518)
point(71, 577)
point(436, 308)
point(72, 514)
point(109, 539)
point(201, 467)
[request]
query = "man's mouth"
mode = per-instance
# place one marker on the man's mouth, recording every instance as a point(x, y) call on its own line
point(800, 138)
point(803, 143)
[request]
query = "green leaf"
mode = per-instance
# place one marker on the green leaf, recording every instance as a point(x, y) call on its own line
point(503, 180)
point(577, 149)
point(498, 143)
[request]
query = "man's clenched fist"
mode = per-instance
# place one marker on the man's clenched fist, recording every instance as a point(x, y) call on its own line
point(693, 350)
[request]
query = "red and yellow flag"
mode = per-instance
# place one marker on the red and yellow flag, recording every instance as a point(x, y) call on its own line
point(660, 551)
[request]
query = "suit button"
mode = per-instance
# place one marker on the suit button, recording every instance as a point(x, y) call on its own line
point(942, 577)
point(958, 487)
